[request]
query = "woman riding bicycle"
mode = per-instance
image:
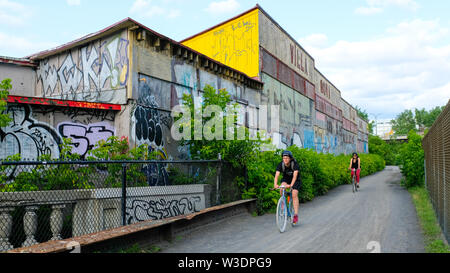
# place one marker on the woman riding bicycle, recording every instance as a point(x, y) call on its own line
point(291, 179)
point(355, 164)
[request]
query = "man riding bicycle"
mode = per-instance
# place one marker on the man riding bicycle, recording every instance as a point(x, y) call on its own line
point(291, 179)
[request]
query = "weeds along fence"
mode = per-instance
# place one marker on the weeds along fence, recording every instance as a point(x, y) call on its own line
point(43, 201)
point(436, 145)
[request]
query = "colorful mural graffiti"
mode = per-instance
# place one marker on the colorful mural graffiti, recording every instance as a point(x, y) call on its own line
point(96, 73)
point(235, 43)
point(85, 137)
point(27, 136)
point(31, 137)
point(149, 125)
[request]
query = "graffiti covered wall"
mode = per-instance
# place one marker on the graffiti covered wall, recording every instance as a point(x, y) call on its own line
point(282, 46)
point(296, 121)
point(160, 79)
point(142, 210)
point(39, 130)
point(97, 72)
point(235, 43)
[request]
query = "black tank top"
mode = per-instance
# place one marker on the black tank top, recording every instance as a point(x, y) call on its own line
point(354, 164)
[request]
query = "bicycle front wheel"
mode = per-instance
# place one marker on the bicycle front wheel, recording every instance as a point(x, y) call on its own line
point(281, 214)
point(354, 184)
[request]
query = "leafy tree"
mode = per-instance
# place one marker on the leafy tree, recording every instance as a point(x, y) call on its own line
point(421, 117)
point(419, 120)
point(365, 116)
point(5, 86)
point(383, 149)
point(371, 126)
point(431, 116)
point(362, 113)
point(404, 123)
point(236, 151)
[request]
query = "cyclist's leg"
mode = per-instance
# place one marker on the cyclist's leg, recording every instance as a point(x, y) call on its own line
point(295, 201)
point(295, 198)
point(283, 184)
point(358, 172)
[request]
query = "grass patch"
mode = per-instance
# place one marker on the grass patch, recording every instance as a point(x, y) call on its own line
point(428, 221)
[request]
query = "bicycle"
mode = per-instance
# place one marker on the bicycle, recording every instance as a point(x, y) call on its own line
point(354, 185)
point(285, 209)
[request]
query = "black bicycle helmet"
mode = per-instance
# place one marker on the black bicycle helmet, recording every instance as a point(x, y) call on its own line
point(355, 154)
point(287, 153)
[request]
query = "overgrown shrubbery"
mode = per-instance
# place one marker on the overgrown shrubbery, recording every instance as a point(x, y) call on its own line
point(235, 151)
point(319, 173)
point(411, 161)
point(388, 151)
point(69, 176)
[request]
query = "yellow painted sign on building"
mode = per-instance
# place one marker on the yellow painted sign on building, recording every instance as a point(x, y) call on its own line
point(235, 43)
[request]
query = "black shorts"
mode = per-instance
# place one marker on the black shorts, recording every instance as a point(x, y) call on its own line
point(297, 184)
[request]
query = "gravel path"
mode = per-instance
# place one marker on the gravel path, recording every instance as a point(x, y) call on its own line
point(381, 213)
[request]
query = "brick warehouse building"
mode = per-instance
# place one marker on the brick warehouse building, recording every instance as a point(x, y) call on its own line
point(313, 113)
point(125, 79)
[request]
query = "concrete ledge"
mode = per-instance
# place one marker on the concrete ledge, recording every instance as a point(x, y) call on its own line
point(144, 233)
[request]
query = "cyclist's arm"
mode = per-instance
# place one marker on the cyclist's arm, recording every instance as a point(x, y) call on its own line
point(359, 163)
point(275, 181)
point(294, 178)
point(350, 166)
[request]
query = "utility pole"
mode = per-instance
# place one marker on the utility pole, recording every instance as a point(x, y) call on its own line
point(376, 122)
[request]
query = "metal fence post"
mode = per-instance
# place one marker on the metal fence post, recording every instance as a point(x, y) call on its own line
point(219, 177)
point(124, 193)
point(425, 172)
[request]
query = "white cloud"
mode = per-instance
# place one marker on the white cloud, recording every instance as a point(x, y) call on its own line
point(226, 6)
point(378, 6)
point(408, 4)
point(23, 45)
point(73, 2)
point(13, 13)
point(146, 9)
point(316, 40)
point(403, 68)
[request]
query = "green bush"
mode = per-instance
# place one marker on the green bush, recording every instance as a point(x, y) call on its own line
point(411, 161)
point(119, 149)
point(69, 176)
point(319, 173)
point(235, 151)
point(48, 177)
point(388, 151)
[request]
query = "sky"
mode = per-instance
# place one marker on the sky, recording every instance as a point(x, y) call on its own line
point(385, 56)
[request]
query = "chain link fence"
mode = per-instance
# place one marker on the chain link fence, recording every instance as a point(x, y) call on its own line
point(43, 201)
point(436, 145)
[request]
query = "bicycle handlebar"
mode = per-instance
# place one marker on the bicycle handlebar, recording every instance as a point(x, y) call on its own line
point(279, 188)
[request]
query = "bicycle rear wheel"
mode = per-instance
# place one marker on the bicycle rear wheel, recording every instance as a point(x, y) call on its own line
point(281, 214)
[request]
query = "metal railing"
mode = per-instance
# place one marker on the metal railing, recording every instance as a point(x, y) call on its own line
point(43, 201)
point(436, 145)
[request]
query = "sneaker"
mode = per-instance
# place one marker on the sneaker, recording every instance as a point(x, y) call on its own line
point(357, 185)
point(295, 219)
